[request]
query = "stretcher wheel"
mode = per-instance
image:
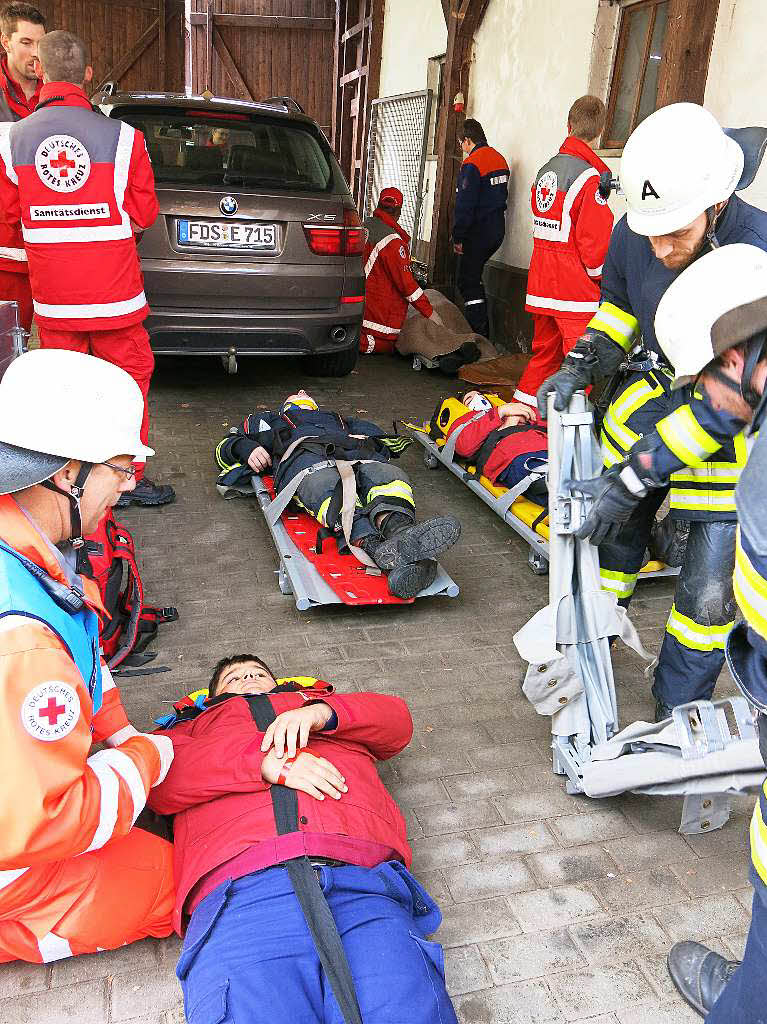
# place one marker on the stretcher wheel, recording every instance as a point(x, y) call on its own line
point(430, 461)
point(538, 562)
point(284, 581)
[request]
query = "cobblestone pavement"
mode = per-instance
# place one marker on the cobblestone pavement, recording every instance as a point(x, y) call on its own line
point(555, 908)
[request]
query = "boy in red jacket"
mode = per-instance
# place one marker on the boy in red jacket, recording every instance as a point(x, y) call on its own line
point(270, 784)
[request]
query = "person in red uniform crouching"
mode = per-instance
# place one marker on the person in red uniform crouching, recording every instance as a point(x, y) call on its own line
point(21, 28)
point(80, 185)
point(292, 859)
point(571, 231)
point(390, 284)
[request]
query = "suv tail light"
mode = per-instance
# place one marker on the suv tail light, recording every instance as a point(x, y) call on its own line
point(348, 240)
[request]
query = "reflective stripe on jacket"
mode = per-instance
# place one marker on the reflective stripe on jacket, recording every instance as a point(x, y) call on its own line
point(571, 231)
point(389, 281)
point(56, 801)
point(78, 183)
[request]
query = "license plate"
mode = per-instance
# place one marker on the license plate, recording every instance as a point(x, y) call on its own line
point(217, 234)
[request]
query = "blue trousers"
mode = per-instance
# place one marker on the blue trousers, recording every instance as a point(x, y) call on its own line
point(744, 1000)
point(248, 957)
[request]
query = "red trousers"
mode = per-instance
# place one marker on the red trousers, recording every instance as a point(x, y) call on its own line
point(127, 347)
point(16, 288)
point(553, 337)
point(100, 900)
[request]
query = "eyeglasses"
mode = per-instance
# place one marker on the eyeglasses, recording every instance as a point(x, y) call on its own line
point(130, 472)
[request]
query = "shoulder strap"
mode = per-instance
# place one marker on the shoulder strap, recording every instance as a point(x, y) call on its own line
point(311, 898)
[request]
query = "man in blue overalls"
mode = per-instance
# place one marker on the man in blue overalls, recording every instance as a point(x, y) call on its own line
point(679, 172)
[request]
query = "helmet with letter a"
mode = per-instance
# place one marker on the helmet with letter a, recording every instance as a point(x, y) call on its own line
point(678, 163)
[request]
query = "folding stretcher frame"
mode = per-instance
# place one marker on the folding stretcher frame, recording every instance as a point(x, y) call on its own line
point(299, 577)
point(525, 517)
point(705, 752)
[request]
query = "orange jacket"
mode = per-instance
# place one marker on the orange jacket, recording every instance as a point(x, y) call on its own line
point(56, 801)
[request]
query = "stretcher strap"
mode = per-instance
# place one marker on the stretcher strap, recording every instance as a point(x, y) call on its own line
point(506, 500)
point(281, 501)
point(319, 918)
point(449, 449)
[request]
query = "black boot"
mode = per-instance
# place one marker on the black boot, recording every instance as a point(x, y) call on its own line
point(409, 580)
point(699, 974)
point(148, 494)
point(403, 545)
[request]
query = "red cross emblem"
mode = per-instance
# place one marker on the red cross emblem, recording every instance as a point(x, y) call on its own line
point(52, 711)
point(545, 192)
point(62, 164)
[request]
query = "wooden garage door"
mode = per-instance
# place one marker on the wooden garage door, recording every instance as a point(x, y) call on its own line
point(138, 43)
point(253, 49)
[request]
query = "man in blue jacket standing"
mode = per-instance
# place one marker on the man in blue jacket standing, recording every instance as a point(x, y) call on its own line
point(479, 223)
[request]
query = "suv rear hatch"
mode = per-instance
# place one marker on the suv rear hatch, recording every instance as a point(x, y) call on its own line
point(244, 200)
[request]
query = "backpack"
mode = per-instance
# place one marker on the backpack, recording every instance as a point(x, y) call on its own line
point(133, 624)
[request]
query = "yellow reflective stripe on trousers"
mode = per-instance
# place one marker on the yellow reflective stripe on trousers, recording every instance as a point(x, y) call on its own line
point(219, 458)
point(622, 584)
point(750, 591)
point(686, 438)
point(694, 635)
point(759, 843)
point(616, 323)
point(395, 489)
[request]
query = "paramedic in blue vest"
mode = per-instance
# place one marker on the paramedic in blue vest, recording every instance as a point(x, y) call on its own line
point(76, 876)
point(479, 220)
point(679, 173)
point(712, 326)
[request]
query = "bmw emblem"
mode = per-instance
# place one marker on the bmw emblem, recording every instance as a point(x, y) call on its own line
point(229, 206)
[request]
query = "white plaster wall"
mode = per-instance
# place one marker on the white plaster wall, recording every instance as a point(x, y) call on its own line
point(532, 58)
point(414, 31)
point(737, 75)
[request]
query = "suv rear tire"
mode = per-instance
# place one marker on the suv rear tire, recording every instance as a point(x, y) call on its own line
point(332, 364)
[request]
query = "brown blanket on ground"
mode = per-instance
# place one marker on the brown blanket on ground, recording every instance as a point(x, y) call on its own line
point(421, 337)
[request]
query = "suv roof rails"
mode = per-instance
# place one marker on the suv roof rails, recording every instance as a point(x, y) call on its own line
point(286, 101)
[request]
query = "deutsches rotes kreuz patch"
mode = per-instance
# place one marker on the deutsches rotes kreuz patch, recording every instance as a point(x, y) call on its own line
point(546, 191)
point(62, 163)
point(50, 711)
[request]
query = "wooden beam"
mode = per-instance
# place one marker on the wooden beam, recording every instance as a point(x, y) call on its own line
point(265, 21)
point(335, 136)
point(464, 20)
point(446, 11)
point(689, 37)
point(353, 76)
point(356, 29)
point(144, 40)
point(230, 67)
point(162, 15)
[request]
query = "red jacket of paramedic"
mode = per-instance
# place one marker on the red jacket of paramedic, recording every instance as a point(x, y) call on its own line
point(390, 284)
point(224, 820)
point(14, 106)
point(571, 230)
point(78, 182)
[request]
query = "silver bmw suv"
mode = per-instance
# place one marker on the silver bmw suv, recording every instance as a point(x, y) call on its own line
point(258, 246)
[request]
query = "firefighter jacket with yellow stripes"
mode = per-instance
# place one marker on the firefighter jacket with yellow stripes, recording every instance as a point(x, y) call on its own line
point(746, 646)
point(328, 436)
point(696, 446)
point(57, 799)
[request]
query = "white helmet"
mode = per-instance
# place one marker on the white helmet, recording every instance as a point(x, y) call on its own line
point(717, 302)
point(57, 405)
point(676, 164)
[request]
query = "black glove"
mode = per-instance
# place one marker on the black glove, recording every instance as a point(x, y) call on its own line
point(616, 494)
point(594, 356)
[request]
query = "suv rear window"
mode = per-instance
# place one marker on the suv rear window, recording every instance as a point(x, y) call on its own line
point(189, 150)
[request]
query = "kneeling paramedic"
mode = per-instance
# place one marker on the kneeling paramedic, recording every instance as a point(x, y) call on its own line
point(679, 172)
point(291, 858)
point(76, 876)
point(712, 326)
point(340, 471)
point(389, 281)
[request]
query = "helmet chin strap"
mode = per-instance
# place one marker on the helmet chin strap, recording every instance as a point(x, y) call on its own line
point(711, 218)
point(744, 387)
point(74, 494)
